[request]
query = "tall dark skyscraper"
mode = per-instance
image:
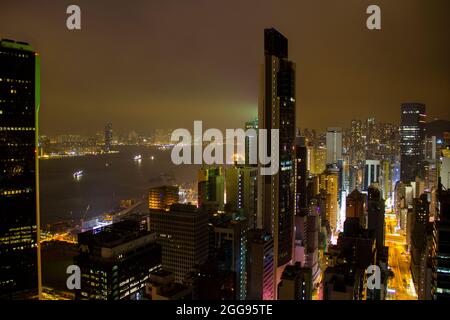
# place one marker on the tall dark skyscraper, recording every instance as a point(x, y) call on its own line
point(376, 212)
point(19, 189)
point(412, 140)
point(301, 202)
point(276, 203)
point(108, 137)
point(183, 235)
point(443, 250)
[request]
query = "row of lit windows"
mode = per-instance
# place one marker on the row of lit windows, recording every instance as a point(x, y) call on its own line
point(22, 228)
point(17, 235)
point(13, 192)
point(411, 112)
point(12, 160)
point(19, 55)
point(14, 80)
point(17, 144)
point(17, 129)
point(16, 242)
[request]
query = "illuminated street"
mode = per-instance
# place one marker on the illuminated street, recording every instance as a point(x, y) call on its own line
point(401, 286)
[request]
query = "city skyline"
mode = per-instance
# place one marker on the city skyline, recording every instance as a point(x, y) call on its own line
point(337, 189)
point(209, 71)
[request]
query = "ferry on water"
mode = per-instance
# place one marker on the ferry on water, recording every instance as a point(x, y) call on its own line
point(78, 174)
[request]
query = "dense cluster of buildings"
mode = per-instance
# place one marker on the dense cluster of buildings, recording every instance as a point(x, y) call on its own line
point(312, 230)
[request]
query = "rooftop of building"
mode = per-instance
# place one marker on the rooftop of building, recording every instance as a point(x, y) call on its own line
point(259, 236)
point(229, 221)
point(340, 275)
point(161, 273)
point(292, 271)
point(17, 45)
point(114, 234)
point(180, 210)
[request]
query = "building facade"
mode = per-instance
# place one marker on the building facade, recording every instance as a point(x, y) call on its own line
point(19, 179)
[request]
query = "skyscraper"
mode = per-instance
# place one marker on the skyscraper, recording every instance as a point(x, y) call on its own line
point(332, 188)
point(277, 111)
point(412, 140)
point(375, 214)
point(260, 268)
point(296, 283)
point(231, 246)
point(211, 184)
point(183, 235)
point(250, 138)
point(443, 248)
point(117, 262)
point(334, 145)
point(108, 137)
point(300, 176)
point(19, 184)
point(372, 173)
point(356, 207)
point(161, 198)
point(240, 185)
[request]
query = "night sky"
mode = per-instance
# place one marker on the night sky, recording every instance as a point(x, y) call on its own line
point(163, 63)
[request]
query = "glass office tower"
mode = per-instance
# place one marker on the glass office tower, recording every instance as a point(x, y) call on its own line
point(19, 189)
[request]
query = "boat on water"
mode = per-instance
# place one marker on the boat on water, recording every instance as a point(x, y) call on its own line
point(137, 158)
point(78, 174)
point(108, 164)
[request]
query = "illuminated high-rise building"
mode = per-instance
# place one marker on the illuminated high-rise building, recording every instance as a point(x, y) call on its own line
point(444, 170)
point(183, 234)
point(108, 137)
point(372, 173)
point(412, 140)
point(249, 139)
point(356, 204)
point(334, 145)
point(260, 268)
point(241, 192)
point(231, 248)
point(161, 198)
point(19, 179)
point(277, 111)
point(318, 159)
point(116, 262)
point(301, 172)
point(443, 248)
point(371, 130)
point(211, 188)
point(332, 189)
